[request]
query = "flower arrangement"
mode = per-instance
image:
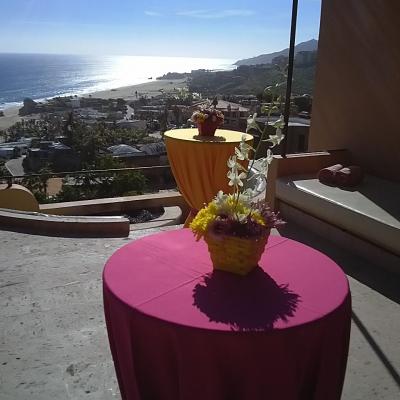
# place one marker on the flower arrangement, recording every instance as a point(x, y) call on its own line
point(207, 119)
point(235, 227)
point(236, 214)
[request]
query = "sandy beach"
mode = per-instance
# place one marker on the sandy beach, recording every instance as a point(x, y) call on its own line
point(149, 89)
point(10, 117)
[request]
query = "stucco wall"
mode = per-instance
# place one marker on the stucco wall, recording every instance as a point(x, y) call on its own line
point(357, 92)
point(17, 197)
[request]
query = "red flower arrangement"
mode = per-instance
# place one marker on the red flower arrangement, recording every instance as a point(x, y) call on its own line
point(208, 119)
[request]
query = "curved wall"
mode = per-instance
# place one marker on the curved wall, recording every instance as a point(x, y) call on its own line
point(18, 198)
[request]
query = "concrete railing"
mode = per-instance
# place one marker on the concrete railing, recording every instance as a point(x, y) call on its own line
point(67, 226)
point(78, 218)
point(71, 218)
point(117, 205)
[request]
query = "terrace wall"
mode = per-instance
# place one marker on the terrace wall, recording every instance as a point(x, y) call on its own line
point(357, 90)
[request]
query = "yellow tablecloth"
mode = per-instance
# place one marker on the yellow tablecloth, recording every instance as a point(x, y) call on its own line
point(199, 167)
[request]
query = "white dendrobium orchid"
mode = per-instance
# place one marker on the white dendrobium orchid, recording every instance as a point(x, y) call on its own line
point(242, 153)
point(279, 123)
point(264, 163)
point(232, 164)
point(220, 198)
point(276, 139)
point(239, 154)
point(235, 178)
point(252, 123)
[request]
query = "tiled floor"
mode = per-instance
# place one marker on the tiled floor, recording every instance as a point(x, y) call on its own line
point(53, 341)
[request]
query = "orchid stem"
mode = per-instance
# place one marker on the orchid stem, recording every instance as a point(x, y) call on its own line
point(263, 133)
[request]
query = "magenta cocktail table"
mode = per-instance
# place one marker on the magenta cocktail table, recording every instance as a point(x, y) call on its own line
point(178, 330)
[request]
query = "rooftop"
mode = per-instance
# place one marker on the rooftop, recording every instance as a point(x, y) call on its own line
point(224, 105)
point(54, 345)
point(123, 149)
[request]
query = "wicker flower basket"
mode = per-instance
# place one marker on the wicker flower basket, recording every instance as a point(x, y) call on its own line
point(236, 255)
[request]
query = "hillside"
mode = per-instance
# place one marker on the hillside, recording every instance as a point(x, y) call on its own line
point(252, 79)
point(310, 45)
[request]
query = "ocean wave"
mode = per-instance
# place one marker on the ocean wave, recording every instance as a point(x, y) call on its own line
point(4, 106)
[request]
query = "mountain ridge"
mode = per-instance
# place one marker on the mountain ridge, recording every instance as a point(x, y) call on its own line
point(309, 45)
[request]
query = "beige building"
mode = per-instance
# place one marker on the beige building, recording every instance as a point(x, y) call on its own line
point(235, 115)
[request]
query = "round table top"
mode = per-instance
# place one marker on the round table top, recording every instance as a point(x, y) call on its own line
point(191, 135)
point(169, 276)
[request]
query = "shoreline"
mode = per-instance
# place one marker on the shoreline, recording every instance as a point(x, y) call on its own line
point(148, 89)
point(145, 89)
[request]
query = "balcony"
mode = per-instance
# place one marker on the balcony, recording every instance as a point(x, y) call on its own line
point(54, 342)
point(53, 337)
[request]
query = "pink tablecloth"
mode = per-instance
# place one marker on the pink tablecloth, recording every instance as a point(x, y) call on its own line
point(177, 330)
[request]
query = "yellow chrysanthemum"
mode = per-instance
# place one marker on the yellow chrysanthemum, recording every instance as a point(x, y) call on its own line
point(204, 217)
point(256, 216)
point(224, 205)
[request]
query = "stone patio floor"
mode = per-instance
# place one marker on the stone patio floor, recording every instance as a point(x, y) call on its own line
point(53, 340)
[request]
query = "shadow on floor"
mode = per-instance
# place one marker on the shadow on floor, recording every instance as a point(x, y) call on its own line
point(378, 351)
point(382, 281)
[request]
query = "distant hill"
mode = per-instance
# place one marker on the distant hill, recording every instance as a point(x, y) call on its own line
point(310, 45)
point(252, 79)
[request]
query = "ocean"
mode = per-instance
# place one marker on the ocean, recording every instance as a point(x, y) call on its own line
point(41, 76)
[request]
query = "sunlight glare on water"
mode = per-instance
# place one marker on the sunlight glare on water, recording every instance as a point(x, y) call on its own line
point(128, 70)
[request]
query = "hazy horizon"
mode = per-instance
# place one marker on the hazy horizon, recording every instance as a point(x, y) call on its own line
point(143, 55)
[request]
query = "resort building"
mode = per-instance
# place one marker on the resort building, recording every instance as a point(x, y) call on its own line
point(59, 155)
point(235, 115)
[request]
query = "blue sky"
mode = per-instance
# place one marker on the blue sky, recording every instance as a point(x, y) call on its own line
point(222, 29)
